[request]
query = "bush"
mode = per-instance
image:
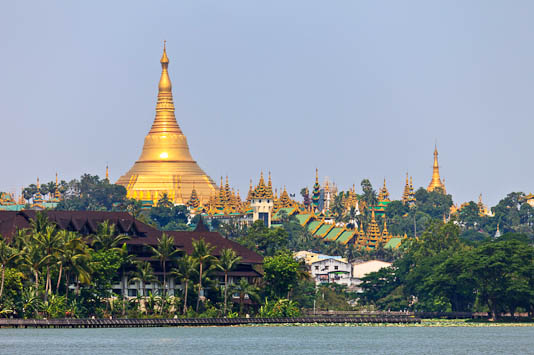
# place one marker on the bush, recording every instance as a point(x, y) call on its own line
point(282, 308)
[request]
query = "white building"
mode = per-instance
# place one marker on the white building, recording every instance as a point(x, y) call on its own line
point(331, 271)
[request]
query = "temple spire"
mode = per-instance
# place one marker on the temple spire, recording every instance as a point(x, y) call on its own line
point(436, 180)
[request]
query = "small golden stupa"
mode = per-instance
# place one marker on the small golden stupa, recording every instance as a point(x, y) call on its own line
point(166, 165)
point(436, 181)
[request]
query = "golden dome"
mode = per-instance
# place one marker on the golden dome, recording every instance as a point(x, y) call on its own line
point(165, 164)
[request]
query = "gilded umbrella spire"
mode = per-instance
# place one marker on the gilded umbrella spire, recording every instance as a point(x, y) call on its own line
point(165, 164)
point(436, 180)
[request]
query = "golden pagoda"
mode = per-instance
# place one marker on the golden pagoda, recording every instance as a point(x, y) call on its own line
point(165, 164)
point(436, 180)
point(383, 195)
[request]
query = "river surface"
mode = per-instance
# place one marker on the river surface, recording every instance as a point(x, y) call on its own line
point(270, 340)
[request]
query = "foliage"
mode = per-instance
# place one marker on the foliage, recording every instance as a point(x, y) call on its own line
point(281, 273)
point(281, 308)
point(265, 241)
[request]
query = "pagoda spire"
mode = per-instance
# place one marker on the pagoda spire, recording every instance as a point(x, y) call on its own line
point(436, 180)
point(165, 121)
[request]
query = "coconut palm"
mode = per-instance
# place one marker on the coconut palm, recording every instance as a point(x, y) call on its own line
point(243, 288)
point(227, 262)
point(107, 238)
point(7, 256)
point(163, 252)
point(202, 253)
point(75, 260)
point(50, 241)
point(144, 273)
point(185, 270)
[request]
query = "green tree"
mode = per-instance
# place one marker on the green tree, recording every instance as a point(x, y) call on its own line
point(107, 237)
point(281, 273)
point(244, 289)
point(163, 252)
point(203, 254)
point(143, 275)
point(185, 271)
point(227, 262)
point(7, 257)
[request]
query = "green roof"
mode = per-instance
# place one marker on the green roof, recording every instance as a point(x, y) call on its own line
point(345, 237)
point(302, 218)
point(332, 235)
point(288, 210)
point(322, 231)
point(313, 225)
point(393, 243)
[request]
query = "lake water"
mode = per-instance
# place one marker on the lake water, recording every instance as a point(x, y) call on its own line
point(270, 340)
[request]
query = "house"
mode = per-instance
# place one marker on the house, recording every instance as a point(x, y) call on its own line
point(331, 271)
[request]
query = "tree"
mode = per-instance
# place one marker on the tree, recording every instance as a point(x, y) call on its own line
point(51, 243)
point(244, 289)
point(75, 259)
point(144, 274)
point(163, 252)
point(281, 273)
point(107, 238)
point(264, 240)
point(227, 262)
point(202, 253)
point(185, 270)
point(503, 272)
point(7, 256)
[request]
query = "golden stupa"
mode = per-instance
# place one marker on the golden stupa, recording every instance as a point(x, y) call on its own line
point(436, 180)
point(165, 165)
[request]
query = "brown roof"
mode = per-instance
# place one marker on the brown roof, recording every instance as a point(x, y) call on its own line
point(86, 222)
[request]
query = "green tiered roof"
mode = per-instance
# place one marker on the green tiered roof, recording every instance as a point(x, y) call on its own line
point(393, 243)
point(333, 234)
point(345, 237)
point(325, 228)
point(313, 226)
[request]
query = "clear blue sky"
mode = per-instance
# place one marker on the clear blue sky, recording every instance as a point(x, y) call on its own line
point(357, 89)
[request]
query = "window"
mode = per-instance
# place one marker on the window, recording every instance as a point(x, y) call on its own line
point(316, 267)
point(132, 292)
point(326, 267)
point(336, 267)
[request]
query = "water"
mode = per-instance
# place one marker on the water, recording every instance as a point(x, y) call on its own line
point(270, 340)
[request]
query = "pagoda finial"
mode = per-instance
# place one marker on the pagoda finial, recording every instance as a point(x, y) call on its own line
point(316, 175)
point(107, 172)
point(56, 181)
point(38, 183)
point(436, 180)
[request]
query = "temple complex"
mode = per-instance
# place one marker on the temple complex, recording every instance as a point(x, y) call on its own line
point(436, 181)
point(166, 165)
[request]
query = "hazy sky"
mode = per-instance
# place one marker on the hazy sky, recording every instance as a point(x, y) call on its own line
point(358, 89)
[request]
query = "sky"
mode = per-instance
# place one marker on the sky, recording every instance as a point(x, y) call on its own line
point(357, 89)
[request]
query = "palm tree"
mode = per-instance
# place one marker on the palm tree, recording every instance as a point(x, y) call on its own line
point(144, 274)
point(75, 258)
point(33, 259)
point(185, 270)
point(7, 256)
point(227, 262)
point(202, 252)
point(243, 288)
point(107, 238)
point(50, 242)
point(163, 252)
point(127, 260)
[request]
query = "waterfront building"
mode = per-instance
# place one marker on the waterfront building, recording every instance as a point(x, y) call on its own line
point(436, 182)
point(165, 165)
point(140, 236)
point(360, 269)
point(331, 270)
